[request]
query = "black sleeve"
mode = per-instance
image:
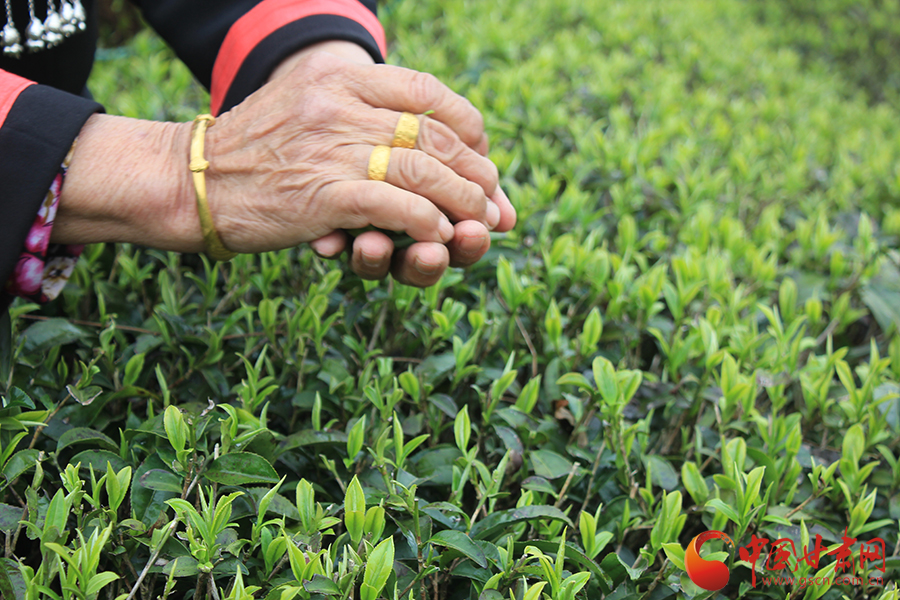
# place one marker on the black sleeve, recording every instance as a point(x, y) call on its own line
point(232, 46)
point(37, 127)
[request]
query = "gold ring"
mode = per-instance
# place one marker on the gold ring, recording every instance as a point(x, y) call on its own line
point(378, 163)
point(406, 132)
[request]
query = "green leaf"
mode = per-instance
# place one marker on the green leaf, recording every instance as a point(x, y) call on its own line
point(319, 584)
point(239, 468)
point(277, 503)
point(882, 296)
point(162, 481)
point(22, 461)
point(725, 509)
point(549, 465)
point(606, 381)
point(573, 554)
point(12, 585)
point(675, 553)
point(694, 482)
point(98, 460)
point(176, 428)
point(539, 484)
point(501, 520)
point(10, 517)
point(99, 581)
point(854, 444)
point(147, 505)
point(52, 332)
point(84, 435)
point(661, 472)
point(183, 566)
point(576, 379)
point(355, 510)
point(459, 541)
point(462, 428)
point(379, 566)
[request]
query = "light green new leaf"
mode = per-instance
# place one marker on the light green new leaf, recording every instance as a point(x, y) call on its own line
point(379, 566)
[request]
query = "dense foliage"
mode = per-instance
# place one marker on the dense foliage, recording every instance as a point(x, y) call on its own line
point(861, 39)
point(693, 327)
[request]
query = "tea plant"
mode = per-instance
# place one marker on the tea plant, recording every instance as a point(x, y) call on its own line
point(693, 327)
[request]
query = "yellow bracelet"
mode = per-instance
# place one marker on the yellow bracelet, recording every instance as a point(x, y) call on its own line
point(215, 249)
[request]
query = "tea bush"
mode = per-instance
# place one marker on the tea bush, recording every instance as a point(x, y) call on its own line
point(692, 327)
point(859, 38)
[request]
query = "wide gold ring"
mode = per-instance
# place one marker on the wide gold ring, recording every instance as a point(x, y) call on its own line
point(378, 163)
point(406, 132)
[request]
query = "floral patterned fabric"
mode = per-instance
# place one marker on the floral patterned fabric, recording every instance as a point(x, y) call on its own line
point(44, 268)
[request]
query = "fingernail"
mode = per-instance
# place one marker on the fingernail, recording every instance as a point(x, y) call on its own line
point(470, 246)
point(446, 229)
point(493, 214)
point(425, 268)
point(369, 260)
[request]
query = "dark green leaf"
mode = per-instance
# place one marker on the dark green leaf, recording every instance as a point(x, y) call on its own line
point(320, 584)
point(183, 566)
point(162, 481)
point(20, 462)
point(539, 484)
point(83, 435)
point(459, 541)
point(52, 332)
point(10, 517)
point(549, 465)
point(98, 460)
point(661, 472)
point(311, 437)
point(147, 505)
point(573, 554)
point(278, 505)
point(498, 521)
point(239, 468)
point(12, 584)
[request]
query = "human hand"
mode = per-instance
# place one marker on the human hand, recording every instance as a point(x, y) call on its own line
point(424, 262)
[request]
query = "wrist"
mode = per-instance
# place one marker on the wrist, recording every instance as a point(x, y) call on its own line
point(344, 49)
point(129, 182)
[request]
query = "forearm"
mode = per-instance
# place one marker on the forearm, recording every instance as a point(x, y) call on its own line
point(129, 182)
point(129, 179)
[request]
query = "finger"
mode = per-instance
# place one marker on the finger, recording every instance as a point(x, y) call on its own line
point(419, 173)
point(376, 127)
point(329, 246)
point(371, 257)
point(387, 86)
point(469, 244)
point(507, 211)
point(421, 264)
point(483, 147)
point(358, 203)
point(441, 142)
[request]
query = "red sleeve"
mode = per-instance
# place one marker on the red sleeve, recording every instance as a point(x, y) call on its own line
point(267, 18)
point(232, 47)
point(10, 88)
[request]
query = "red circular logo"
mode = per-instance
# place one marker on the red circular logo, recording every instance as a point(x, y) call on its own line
point(711, 575)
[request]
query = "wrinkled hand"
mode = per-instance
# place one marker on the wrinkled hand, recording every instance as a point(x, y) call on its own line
point(289, 166)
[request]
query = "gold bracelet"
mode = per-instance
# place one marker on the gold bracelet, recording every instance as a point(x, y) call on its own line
point(215, 249)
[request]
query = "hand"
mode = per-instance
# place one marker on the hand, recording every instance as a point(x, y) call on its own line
point(289, 166)
point(371, 255)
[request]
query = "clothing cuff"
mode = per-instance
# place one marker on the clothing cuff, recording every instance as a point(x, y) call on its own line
point(260, 40)
point(34, 139)
point(44, 268)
